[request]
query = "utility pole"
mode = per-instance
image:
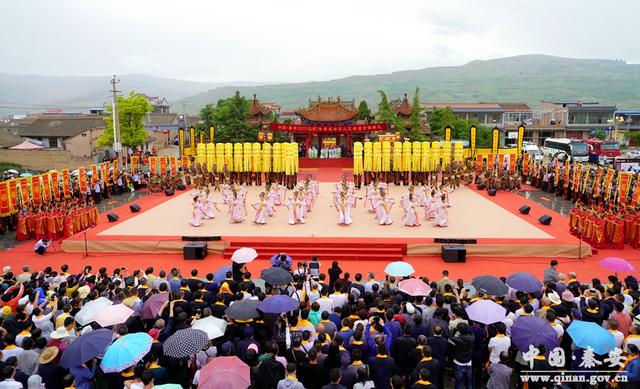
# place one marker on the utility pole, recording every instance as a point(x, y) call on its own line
point(184, 113)
point(117, 144)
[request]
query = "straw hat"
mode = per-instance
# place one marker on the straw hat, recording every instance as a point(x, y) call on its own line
point(554, 298)
point(48, 354)
point(83, 291)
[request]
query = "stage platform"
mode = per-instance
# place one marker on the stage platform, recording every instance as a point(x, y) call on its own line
point(494, 222)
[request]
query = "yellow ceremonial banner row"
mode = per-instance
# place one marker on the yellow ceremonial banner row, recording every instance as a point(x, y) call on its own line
point(249, 157)
point(404, 156)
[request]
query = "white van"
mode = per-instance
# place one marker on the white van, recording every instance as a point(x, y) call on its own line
point(533, 151)
point(562, 148)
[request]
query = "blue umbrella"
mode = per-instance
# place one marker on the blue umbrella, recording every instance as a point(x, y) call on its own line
point(587, 334)
point(524, 282)
point(399, 269)
point(490, 285)
point(278, 304)
point(86, 347)
point(531, 330)
point(276, 259)
point(242, 310)
point(221, 274)
point(126, 352)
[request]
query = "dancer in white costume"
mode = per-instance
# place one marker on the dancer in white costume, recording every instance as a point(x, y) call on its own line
point(442, 219)
point(383, 205)
point(343, 203)
point(261, 210)
point(295, 207)
point(237, 210)
point(197, 214)
point(410, 217)
point(209, 204)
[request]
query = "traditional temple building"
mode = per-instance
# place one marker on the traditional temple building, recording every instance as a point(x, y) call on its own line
point(328, 112)
point(259, 113)
point(402, 108)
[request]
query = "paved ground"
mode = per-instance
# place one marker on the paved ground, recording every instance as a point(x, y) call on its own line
point(8, 241)
point(548, 200)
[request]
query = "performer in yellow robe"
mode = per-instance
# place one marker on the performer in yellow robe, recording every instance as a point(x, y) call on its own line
point(416, 161)
point(256, 155)
point(247, 159)
point(367, 162)
point(357, 164)
point(406, 162)
point(425, 164)
point(376, 161)
point(397, 162)
point(276, 166)
point(289, 169)
point(228, 161)
point(266, 162)
point(283, 162)
point(238, 167)
point(386, 161)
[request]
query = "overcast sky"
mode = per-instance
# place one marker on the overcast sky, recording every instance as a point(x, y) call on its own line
point(299, 40)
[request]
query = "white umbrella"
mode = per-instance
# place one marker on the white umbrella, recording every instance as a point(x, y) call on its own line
point(91, 309)
point(112, 315)
point(244, 255)
point(213, 326)
point(11, 171)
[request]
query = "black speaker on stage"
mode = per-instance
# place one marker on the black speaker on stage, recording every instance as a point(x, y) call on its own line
point(134, 208)
point(525, 209)
point(481, 187)
point(454, 253)
point(186, 238)
point(168, 192)
point(195, 250)
point(492, 192)
point(181, 187)
point(545, 220)
point(112, 217)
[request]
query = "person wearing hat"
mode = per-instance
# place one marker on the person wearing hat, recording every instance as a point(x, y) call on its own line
point(49, 369)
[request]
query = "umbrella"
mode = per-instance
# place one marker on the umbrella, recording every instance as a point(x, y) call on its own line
point(486, 312)
point(167, 386)
point(225, 373)
point(243, 310)
point(11, 171)
point(153, 304)
point(26, 145)
point(278, 304)
point(220, 275)
point(91, 309)
point(587, 334)
point(185, 343)
point(113, 314)
point(490, 285)
point(125, 352)
point(276, 276)
point(276, 259)
point(531, 330)
point(414, 287)
point(524, 281)
point(25, 174)
point(244, 255)
point(399, 269)
point(617, 264)
point(471, 288)
point(86, 347)
point(213, 326)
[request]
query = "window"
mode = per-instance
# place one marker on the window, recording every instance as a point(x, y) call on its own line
point(53, 143)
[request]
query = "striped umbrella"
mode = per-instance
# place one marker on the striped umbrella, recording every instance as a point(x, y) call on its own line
point(126, 352)
point(185, 343)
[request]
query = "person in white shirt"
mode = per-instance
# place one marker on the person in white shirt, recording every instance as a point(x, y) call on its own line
point(10, 382)
point(339, 299)
point(499, 343)
point(617, 335)
point(41, 246)
point(557, 326)
point(368, 286)
point(10, 348)
point(326, 304)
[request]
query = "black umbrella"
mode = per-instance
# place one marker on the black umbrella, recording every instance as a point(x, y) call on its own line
point(276, 276)
point(185, 343)
point(490, 285)
point(243, 310)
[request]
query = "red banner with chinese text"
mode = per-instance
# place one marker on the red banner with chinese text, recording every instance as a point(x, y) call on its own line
point(66, 184)
point(478, 163)
point(490, 162)
point(94, 175)
point(567, 169)
point(624, 184)
point(46, 189)
point(636, 194)
point(24, 191)
point(36, 191)
point(82, 181)
point(134, 164)
point(5, 204)
point(597, 181)
point(525, 164)
point(173, 164)
point(576, 177)
point(512, 164)
point(585, 178)
point(184, 162)
point(152, 166)
point(115, 171)
point(163, 166)
point(104, 172)
point(608, 181)
point(55, 184)
point(500, 162)
point(13, 195)
point(328, 129)
point(556, 174)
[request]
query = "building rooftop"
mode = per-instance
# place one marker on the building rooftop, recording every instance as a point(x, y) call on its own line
point(57, 125)
point(516, 107)
point(9, 139)
point(402, 107)
point(466, 107)
point(327, 111)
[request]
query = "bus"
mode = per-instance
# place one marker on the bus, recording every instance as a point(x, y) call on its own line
point(562, 148)
point(604, 148)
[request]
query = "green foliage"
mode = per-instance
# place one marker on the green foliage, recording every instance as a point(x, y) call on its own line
point(385, 114)
point(131, 113)
point(229, 118)
point(633, 135)
point(364, 113)
point(601, 134)
point(460, 128)
point(415, 129)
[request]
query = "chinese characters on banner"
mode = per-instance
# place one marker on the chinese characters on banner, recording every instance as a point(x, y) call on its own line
point(173, 164)
point(624, 185)
point(104, 172)
point(55, 184)
point(115, 171)
point(163, 166)
point(152, 166)
point(490, 162)
point(512, 163)
point(500, 162)
point(327, 129)
point(13, 194)
point(46, 188)
point(185, 162)
point(24, 191)
point(5, 207)
point(478, 163)
point(94, 175)
point(525, 164)
point(134, 164)
point(36, 191)
point(82, 181)
point(66, 184)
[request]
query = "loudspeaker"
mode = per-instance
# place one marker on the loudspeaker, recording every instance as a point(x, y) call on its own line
point(112, 217)
point(195, 250)
point(451, 241)
point(481, 187)
point(525, 209)
point(201, 238)
point(491, 192)
point(168, 192)
point(454, 253)
point(181, 187)
point(545, 220)
point(134, 208)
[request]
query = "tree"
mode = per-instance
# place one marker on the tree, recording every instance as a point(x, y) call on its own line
point(131, 113)
point(364, 113)
point(601, 134)
point(385, 113)
point(229, 118)
point(440, 118)
point(633, 136)
point(415, 120)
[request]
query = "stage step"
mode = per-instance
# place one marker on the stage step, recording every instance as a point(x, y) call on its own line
point(325, 251)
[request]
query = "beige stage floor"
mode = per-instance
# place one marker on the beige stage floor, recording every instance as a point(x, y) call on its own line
point(470, 216)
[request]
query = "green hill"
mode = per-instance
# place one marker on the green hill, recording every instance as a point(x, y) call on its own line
point(525, 78)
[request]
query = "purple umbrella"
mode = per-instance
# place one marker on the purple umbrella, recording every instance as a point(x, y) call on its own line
point(221, 274)
point(278, 304)
point(524, 282)
point(531, 330)
point(153, 304)
point(86, 347)
point(486, 312)
point(618, 265)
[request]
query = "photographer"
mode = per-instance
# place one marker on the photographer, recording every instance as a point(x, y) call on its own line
point(41, 246)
